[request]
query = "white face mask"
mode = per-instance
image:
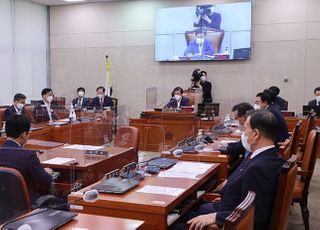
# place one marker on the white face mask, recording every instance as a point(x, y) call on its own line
point(80, 93)
point(177, 97)
point(19, 106)
point(200, 40)
point(100, 95)
point(244, 141)
point(317, 98)
point(50, 99)
point(256, 107)
point(203, 78)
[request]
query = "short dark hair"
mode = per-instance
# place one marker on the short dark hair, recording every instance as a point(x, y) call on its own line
point(81, 89)
point(101, 87)
point(177, 89)
point(265, 122)
point(265, 97)
point(316, 89)
point(242, 108)
point(17, 125)
point(19, 96)
point(45, 91)
point(275, 90)
point(269, 95)
point(204, 72)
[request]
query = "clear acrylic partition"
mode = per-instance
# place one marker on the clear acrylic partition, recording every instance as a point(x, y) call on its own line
point(151, 98)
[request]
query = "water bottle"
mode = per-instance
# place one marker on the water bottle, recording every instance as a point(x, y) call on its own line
point(72, 115)
point(227, 120)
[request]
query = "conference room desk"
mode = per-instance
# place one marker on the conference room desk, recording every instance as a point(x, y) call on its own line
point(88, 169)
point(159, 129)
point(153, 209)
point(292, 121)
point(41, 145)
point(94, 222)
point(213, 156)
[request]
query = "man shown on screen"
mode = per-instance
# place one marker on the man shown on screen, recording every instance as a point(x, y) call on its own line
point(206, 17)
point(199, 46)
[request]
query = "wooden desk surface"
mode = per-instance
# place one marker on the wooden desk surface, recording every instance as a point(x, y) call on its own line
point(151, 208)
point(84, 160)
point(40, 144)
point(86, 221)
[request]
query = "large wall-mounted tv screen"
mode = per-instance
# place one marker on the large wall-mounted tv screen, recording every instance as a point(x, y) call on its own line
point(203, 32)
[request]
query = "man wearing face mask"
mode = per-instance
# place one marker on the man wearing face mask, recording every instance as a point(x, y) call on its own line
point(81, 102)
point(12, 155)
point(199, 46)
point(19, 101)
point(264, 101)
point(102, 100)
point(259, 172)
point(316, 100)
point(206, 87)
point(43, 110)
point(177, 99)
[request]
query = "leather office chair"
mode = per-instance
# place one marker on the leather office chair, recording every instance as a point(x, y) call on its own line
point(191, 95)
point(242, 218)
point(215, 36)
point(309, 125)
point(284, 193)
point(292, 148)
point(2, 109)
point(127, 136)
point(14, 195)
point(305, 172)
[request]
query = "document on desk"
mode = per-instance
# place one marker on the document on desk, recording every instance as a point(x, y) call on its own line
point(161, 190)
point(83, 147)
point(186, 170)
point(58, 160)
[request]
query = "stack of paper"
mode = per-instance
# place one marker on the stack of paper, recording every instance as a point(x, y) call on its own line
point(83, 147)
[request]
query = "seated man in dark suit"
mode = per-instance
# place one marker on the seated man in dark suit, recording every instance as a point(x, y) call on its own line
point(43, 110)
point(264, 101)
point(81, 102)
point(279, 101)
point(241, 111)
point(177, 99)
point(258, 172)
point(199, 46)
point(102, 100)
point(12, 155)
point(316, 100)
point(19, 100)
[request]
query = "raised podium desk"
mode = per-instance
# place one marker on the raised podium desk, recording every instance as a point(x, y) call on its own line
point(153, 209)
point(159, 129)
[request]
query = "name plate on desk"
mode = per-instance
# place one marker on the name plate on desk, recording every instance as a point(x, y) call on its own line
point(96, 152)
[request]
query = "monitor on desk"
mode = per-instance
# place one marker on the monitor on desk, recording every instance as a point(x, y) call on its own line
point(307, 108)
point(208, 109)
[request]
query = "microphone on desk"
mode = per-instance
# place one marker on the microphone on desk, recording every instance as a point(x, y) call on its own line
point(163, 103)
point(91, 195)
point(177, 152)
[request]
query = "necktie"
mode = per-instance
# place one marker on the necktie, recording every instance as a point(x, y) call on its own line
point(101, 102)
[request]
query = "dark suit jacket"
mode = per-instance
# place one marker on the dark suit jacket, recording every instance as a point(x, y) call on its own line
point(85, 103)
point(11, 111)
point(282, 132)
point(28, 164)
point(206, 88)
point(174, 104)
point(312, 102)
point(279, 101)
point(260, 175)
point(41, 113)
point(106, 102)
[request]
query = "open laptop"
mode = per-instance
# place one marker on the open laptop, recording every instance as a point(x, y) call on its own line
point(47, 219)
point(306, 109)
point(116, 185)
